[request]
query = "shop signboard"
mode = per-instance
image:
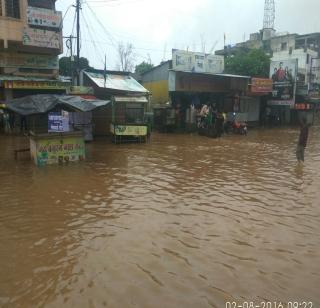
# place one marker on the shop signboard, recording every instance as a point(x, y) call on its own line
point(129, 130)
point(28, 61)
point(30, 84)
point(57, 150)
point(41, 38)
point(261, 85)
point(302, 106)
point(283, 74)
point(58, 122)
point(197, 62)
point(44, 17)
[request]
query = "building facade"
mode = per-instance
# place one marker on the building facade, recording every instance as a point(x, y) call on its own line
point(30, 43)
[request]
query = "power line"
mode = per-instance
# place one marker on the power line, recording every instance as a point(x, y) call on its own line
point(91, 37)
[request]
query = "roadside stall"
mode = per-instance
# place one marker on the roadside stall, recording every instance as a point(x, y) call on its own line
point(128, 119)
point(53, 139)
point(125, 119)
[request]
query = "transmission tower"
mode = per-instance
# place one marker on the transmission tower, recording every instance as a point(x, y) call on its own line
point(269, 14)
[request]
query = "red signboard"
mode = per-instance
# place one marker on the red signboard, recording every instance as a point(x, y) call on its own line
point(302, 106)
point(261, 85)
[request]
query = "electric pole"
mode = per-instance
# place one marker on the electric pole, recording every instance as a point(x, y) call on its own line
point(78, 42)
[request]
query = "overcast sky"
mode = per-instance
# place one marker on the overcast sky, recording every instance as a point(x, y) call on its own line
point(154, 27)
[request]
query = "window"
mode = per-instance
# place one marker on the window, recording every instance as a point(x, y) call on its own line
point(44, 4)
point(0, 8)
point(283, 46)
point(12, 8)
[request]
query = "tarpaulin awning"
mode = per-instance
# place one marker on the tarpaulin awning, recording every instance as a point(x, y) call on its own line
point(42, 103)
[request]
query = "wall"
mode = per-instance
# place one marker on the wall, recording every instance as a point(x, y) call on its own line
point(11, 28)
point(156, 81)
point(250, 106)
point(276, 42)
point(159, 90)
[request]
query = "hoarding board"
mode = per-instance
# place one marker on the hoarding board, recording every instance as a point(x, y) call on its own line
point(28, 61)
point(44, 17)
point(214, 64)
point(283, 74)
point(58, 122)
point(57, 150)
point(182, 60)
point(261, 85)
point(41, 38)
point(29, 84)
point(197, 62)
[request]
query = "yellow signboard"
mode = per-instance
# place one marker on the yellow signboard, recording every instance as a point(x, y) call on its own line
point(129, 130)
point(28, 84)
point(57, 150)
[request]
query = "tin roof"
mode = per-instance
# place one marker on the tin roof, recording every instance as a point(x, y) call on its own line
point(118, 82)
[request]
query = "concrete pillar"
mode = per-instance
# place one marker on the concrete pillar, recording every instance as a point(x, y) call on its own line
point(3, 8)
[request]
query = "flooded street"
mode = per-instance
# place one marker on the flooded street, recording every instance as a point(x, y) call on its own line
point(184, 221)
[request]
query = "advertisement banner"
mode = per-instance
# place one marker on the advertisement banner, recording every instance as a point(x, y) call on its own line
point(197, 62)
point(126, 130)
point(58, 122)
point(28, 61)
point(29, 84)
point(44, 17)
point(53, 151)
point(261, 85)
point(41, 38)
point(214, 64)
point(283, 74)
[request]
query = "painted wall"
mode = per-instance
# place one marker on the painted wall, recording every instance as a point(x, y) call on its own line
point(159, 90)
point(11, 28)
point(276, 42)
point(156, 81)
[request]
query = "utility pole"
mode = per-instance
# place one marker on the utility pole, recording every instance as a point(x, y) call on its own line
point(69, 44)
point(78, 42)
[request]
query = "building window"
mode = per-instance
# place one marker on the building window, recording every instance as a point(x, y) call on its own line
point(283, 46)
point(48, 4)
point(12, 8)
point(0, 7)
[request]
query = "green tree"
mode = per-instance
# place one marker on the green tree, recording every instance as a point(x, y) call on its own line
point(65, 65)
point(254, 63)
point(143, 67)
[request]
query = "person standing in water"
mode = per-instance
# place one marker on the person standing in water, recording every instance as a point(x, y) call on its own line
point(303, 139)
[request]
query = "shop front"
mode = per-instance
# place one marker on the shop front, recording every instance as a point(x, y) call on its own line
point(200, 99)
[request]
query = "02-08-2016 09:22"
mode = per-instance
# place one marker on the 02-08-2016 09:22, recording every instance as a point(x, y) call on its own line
point(270, 304)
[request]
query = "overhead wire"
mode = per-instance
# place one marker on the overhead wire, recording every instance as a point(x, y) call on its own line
point(98, 51)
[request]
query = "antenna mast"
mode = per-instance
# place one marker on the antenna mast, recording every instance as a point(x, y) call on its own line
point(269, 14)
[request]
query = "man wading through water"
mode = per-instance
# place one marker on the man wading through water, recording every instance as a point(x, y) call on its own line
point(302, 142)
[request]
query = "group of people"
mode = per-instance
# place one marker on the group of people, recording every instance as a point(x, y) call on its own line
point(211, 118)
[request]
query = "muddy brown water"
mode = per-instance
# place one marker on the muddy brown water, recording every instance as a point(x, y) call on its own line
point(184, 221)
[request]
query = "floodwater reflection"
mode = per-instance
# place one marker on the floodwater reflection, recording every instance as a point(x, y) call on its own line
point(184, 221)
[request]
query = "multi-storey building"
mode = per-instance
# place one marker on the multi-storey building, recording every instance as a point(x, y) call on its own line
point(284, 46)
point(30, 42)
